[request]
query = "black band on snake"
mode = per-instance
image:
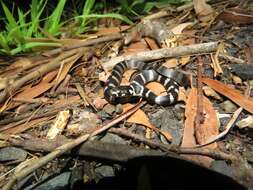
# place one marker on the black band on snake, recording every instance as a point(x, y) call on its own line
point(169, 78)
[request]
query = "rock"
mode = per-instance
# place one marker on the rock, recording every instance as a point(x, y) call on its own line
point(109, 108)
point(244, 71)
point(12, 154)
point(119, 109)
point(167, 121)
point(59, 182)
point(228, 106)
point(105, 171)
point(172, 125)
point(76, 178)
point(112, 138)
point(103, 115)
point(222, 167)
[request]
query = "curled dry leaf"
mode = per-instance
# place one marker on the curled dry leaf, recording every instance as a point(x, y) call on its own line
point(246, 122)
point(141, 118)
point(203, 10)
point(202, 133)
point(177, 30)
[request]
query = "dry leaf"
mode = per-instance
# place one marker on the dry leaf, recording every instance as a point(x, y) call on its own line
point(177, 30)
point(151, 43)
point(141, 118)
point(32, 92)
point(236, 16)
point(171, 63)
point(16, 129)
point(205, 131)
point(111, 30)
point(99, 103)
point(232, 94)
point(136, 47)
point(203, 10)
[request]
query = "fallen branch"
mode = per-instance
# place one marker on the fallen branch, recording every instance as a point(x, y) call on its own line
point(216, 154)
point(66, 147)
point(55, 63)
point(94, 149)
point(202, 48)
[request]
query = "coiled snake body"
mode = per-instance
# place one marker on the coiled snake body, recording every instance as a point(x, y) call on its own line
point(170, 79)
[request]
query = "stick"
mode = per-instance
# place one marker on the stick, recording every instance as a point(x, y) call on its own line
point(84, 44)
point(202, 48)
point(95, 149)
point(65, 147)
point(216, 154)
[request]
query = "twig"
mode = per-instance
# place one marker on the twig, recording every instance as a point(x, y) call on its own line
point(84, 44)
point(95, 149)
point(85, 98)
point(216, 154)
point(223, 133)
point(74, 54)
point(202, 48)
point(231, 58)
point(65, 147)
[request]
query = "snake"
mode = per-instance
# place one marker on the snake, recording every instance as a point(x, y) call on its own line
point(171, 79)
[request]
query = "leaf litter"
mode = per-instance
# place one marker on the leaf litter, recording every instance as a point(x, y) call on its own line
point(59, 79)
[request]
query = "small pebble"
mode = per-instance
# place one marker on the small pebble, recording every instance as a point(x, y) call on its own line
point(12, 153)
point(119, 109)
point(228, 106)
point(109, 108)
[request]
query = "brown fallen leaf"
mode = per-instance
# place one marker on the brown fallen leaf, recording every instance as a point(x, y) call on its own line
point(232, 94)
point(205, 131)
point(99, 102)
point(25, 126)
point(32, 92)
point(111, 30)
point(63, 71)
point(151, 43)
point(236, 16)
point(177, 30)
point(139, 117)
point(203, 10)
point(135, 47)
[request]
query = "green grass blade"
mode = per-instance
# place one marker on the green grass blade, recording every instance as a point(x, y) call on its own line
point(28, 46)
point(86, 11)
point(4, 43)
point(11, 20)
point(53, 24)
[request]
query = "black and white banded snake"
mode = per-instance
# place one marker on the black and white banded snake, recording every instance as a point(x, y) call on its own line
point(169, 78)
